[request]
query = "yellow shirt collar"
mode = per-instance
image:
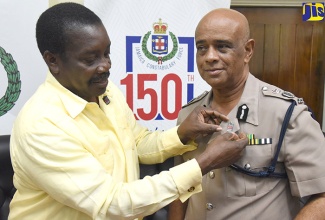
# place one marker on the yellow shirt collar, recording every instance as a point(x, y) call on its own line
point(72, 103)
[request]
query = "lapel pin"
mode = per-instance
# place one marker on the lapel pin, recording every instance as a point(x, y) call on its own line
point(106, 100)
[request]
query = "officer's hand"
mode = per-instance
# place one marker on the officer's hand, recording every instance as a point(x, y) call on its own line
point(201, 121)
point(222, 151)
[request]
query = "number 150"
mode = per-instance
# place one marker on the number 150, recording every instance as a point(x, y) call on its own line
point(152, 93)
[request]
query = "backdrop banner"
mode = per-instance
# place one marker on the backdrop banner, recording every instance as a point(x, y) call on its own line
point(22, 68)
point(152, 52)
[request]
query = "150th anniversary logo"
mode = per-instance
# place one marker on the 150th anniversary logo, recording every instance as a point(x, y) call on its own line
point(12, 93)
point(159, 72)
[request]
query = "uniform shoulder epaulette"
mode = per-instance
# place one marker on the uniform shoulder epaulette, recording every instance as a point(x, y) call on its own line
point(279, 93)
point(196, 99)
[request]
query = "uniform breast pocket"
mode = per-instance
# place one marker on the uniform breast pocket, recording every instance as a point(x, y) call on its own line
point(255, 158)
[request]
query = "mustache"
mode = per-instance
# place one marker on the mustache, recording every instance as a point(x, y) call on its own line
point(100, 77)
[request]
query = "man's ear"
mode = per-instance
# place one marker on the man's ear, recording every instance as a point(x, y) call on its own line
point(249, 48)
point(52, 62)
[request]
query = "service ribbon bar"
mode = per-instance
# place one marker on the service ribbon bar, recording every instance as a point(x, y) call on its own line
point(258, 141)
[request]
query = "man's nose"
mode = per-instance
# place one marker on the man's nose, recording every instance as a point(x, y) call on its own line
point(212, 55)
point(104, 65)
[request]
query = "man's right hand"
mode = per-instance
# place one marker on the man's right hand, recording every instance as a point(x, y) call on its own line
point(222, 151)
point(201, 121)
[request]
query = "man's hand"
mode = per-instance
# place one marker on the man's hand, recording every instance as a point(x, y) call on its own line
point(201, 121)
point(222, 151)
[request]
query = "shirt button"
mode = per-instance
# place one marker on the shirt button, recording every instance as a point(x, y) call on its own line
point(191, 189)
point(247, 166)
point(209, 206)
point(211, 174)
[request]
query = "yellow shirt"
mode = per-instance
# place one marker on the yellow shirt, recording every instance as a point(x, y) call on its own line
point(76, 160)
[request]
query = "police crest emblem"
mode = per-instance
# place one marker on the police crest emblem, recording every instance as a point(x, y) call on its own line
point(159, 43)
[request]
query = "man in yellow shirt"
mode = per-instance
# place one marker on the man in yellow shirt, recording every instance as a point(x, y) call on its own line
point(76, 146)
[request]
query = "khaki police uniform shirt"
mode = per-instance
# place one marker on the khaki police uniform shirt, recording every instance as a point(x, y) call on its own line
point(229, 194)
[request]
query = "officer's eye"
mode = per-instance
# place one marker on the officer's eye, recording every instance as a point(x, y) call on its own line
point(201, 48)
point(223, 48)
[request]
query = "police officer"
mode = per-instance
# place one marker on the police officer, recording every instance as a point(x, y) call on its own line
point(267, 182)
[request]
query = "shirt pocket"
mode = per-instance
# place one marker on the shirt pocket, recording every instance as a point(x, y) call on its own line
point(104, 151)
point(256, 158)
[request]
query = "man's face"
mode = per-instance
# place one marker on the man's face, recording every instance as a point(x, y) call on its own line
point(84, 68)
point(221, 54)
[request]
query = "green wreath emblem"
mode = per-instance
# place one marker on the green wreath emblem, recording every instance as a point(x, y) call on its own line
point(14, 84)
point(154, 58)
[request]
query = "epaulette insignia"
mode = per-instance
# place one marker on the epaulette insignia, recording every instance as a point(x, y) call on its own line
point(276, 92)
point(196, 99)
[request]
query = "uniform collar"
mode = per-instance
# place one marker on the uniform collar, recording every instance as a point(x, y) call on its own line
point(73, 104)
point(249, 97)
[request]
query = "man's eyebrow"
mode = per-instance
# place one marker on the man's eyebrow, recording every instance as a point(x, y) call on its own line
point(200, 42)
point(91, 51)
point(215, 41)
point(222, 42)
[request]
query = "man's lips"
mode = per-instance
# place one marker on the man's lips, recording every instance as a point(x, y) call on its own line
point(100, 79)
point(214, 71)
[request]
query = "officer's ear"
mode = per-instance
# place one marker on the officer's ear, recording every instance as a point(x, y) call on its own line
point(52, 62)
point(249, 49)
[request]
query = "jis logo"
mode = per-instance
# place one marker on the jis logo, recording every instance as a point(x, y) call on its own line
point(159, 72)
point(313, 11)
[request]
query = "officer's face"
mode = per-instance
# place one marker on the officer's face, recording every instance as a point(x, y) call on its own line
point(221, 51)
point(84, 69)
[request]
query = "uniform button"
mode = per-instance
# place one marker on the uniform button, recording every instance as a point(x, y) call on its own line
point(247, 166)
point(209, 206)
point(287, 94)
point(211, 174)
point(191, 189)
point(264, 88)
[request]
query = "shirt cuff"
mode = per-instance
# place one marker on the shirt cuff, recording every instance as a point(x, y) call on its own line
point(188, 178)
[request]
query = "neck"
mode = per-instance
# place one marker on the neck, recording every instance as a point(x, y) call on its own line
point(94, 99)
point(225, 99)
